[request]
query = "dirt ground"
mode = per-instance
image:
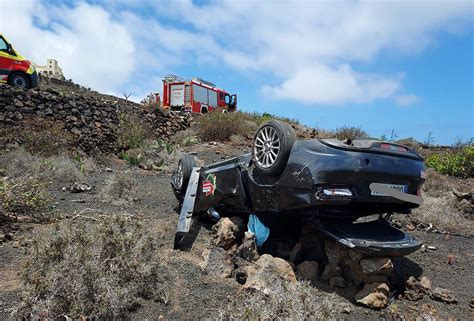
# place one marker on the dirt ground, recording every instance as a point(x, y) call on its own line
point(192, 294)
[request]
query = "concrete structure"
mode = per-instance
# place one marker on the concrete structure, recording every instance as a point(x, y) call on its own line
point(51, 70)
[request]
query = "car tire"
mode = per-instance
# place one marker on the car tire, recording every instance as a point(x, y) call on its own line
point(185, 167)
point(271, 148)
point(18, 79)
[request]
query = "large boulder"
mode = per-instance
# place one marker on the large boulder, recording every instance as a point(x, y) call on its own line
point(308, 270)
point(271, 276)
point(217, 262)
point(227, 232)
point(374, 295)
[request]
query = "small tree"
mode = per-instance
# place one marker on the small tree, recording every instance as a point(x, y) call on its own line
point(429, 140)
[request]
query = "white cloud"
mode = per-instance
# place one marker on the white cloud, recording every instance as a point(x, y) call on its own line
point(323, 85)
point(406, 100)
point(312, 46)
point(309, 49)
point(90, 46)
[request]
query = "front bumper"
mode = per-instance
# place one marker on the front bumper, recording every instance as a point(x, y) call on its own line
point(34, 79)
point(374, 238)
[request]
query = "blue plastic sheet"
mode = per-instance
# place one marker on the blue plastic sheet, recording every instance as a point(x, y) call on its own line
point(259, 229)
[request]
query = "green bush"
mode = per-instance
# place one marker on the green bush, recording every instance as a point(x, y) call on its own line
point(459, 162)
point(131, 132)
point(132, 158)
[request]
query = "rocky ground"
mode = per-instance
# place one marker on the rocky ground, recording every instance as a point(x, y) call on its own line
point(224, 274)
point(192, 279)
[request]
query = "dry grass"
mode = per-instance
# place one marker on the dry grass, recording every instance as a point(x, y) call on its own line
point(436, 184)
point(121, 188)
point(300, 302)
point(440, 205)
point(99, 270)
point(442, 214)
point(38, 136)
point(60, 168)
point(348, 132)
point(216, 126)
point(184, 138)
point(25, 195)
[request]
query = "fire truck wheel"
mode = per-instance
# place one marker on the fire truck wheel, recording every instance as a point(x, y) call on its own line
point(185, 167)
point(272, 145)
point(19, 80)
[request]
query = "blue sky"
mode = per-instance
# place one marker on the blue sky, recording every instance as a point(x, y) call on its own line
point(402, 65)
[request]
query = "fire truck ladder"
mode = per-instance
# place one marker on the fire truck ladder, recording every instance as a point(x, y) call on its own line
point(182, 235)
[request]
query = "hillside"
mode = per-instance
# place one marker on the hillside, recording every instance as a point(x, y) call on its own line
point(87, 222)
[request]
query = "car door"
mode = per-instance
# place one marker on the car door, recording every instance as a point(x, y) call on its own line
point(6, 61)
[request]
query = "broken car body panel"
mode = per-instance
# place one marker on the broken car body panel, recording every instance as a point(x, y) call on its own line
point(314, 166)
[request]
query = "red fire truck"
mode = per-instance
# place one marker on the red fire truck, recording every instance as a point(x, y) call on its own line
point(195, 95)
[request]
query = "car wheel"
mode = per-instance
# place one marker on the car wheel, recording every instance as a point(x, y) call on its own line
point(185, 167)
point(272, 145)
point(19, 80)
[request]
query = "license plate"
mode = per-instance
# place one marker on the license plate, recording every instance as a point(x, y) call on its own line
point(400, 188)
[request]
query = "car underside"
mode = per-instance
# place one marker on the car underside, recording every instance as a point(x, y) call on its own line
point(326, 181)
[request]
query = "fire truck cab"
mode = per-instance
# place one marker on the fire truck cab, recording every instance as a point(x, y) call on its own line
point(195, 95)
point(14, 69)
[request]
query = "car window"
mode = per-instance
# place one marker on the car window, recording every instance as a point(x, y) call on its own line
point(3, 45)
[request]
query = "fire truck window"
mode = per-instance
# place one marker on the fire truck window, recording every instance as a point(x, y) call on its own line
point(3, 45)
point(200, 94)
point(212, 98)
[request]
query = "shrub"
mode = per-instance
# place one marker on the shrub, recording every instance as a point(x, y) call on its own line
point(220, 126)
point(18, 162)
point(259, 119)
point(347, 132)
point(459, 162)
point(98, 270)
point(25, 195)
point(184, 138)
point(61, 168)
point(131, 157)
point(300, 302)
point(131, 132)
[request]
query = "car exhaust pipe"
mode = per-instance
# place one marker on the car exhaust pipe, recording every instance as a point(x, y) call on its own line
point(213, 214)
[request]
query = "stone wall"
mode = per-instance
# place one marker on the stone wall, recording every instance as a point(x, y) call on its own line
point(91, 117)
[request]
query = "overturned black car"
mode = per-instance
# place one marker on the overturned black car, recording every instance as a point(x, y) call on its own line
point(332, 183)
